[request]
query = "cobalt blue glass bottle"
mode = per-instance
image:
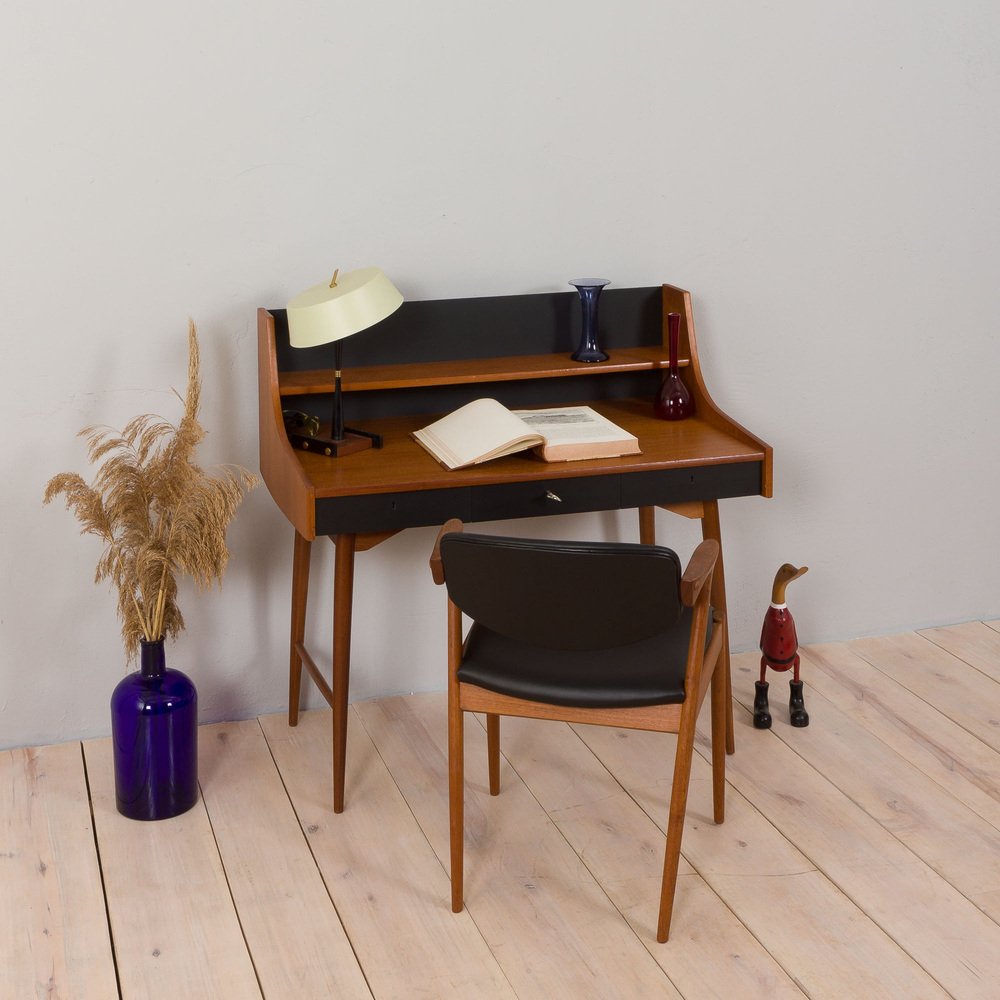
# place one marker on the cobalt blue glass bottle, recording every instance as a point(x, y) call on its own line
point(590, 292)
point(154, 731)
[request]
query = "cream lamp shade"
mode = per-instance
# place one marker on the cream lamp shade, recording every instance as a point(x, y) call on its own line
point(350, 303)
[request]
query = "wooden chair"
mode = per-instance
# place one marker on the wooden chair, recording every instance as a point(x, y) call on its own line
point(605, 633)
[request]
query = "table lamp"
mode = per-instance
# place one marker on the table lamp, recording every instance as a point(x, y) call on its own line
point(326, 314)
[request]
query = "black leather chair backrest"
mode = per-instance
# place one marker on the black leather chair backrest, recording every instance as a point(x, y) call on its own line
point(563, 595)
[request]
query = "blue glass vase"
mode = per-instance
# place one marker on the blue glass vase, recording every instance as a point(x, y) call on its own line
point(590, 292)
point(154, 732)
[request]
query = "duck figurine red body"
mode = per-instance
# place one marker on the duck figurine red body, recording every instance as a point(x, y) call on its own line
point(779, 647)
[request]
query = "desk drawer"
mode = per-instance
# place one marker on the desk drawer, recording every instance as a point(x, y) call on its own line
point(710, 482)
point(390, 511)
point(554, 496)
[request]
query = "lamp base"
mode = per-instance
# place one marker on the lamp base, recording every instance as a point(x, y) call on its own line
point(323, 444)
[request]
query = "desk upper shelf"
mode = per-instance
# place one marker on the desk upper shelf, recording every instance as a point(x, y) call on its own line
point(472, 370)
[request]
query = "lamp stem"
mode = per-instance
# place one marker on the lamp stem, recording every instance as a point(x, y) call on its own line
point(338, 399)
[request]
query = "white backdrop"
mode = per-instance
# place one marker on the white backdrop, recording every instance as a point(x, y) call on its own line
point(821, 176)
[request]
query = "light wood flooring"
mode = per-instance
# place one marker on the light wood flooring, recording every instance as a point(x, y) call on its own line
point(860, 857)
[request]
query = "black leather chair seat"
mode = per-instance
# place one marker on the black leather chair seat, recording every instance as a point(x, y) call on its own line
point(648, 672)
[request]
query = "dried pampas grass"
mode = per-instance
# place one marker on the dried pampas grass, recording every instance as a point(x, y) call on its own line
point(156, 511)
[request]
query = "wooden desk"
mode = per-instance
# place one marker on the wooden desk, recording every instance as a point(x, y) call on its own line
point(444, 354)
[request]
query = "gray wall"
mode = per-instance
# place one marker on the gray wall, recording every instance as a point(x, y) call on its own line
point(821, 176)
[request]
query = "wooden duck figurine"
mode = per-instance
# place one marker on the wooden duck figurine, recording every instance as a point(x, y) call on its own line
point(779, 648)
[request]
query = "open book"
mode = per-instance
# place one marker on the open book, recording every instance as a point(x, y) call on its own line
point(485, 429)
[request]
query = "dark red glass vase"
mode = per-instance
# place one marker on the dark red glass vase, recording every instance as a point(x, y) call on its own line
point(154, 731)
point(673, 402)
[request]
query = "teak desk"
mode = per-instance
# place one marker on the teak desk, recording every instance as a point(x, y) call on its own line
point(429, 358)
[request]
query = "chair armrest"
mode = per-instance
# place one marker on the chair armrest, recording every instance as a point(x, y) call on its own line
point(437, 570)
point(698, 570)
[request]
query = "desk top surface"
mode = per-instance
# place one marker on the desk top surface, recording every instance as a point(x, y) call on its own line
point(403, 464)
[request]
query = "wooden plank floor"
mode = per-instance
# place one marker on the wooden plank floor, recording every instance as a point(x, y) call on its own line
point(860, 857)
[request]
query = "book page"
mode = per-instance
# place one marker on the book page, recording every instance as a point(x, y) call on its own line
point(571, 425)
point(476, 432)
point(578, 432)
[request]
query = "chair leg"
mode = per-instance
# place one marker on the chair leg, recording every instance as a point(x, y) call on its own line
point(493, 751)
point(675, 824)
point(456, 796)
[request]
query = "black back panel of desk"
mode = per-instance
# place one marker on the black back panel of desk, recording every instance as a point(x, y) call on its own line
point(484, 327)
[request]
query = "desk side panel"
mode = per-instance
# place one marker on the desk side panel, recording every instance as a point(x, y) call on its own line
point(679, 301)
point(286, 480)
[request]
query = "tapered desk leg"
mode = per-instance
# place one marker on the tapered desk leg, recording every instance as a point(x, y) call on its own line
point(711, 528)
point(300, 593)
point(343, 594)
point(647, 525)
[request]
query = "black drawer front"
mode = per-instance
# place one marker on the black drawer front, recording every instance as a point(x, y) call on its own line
point(643, 489)
point(390, 511)
point(555, 496)
point(394, 511)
